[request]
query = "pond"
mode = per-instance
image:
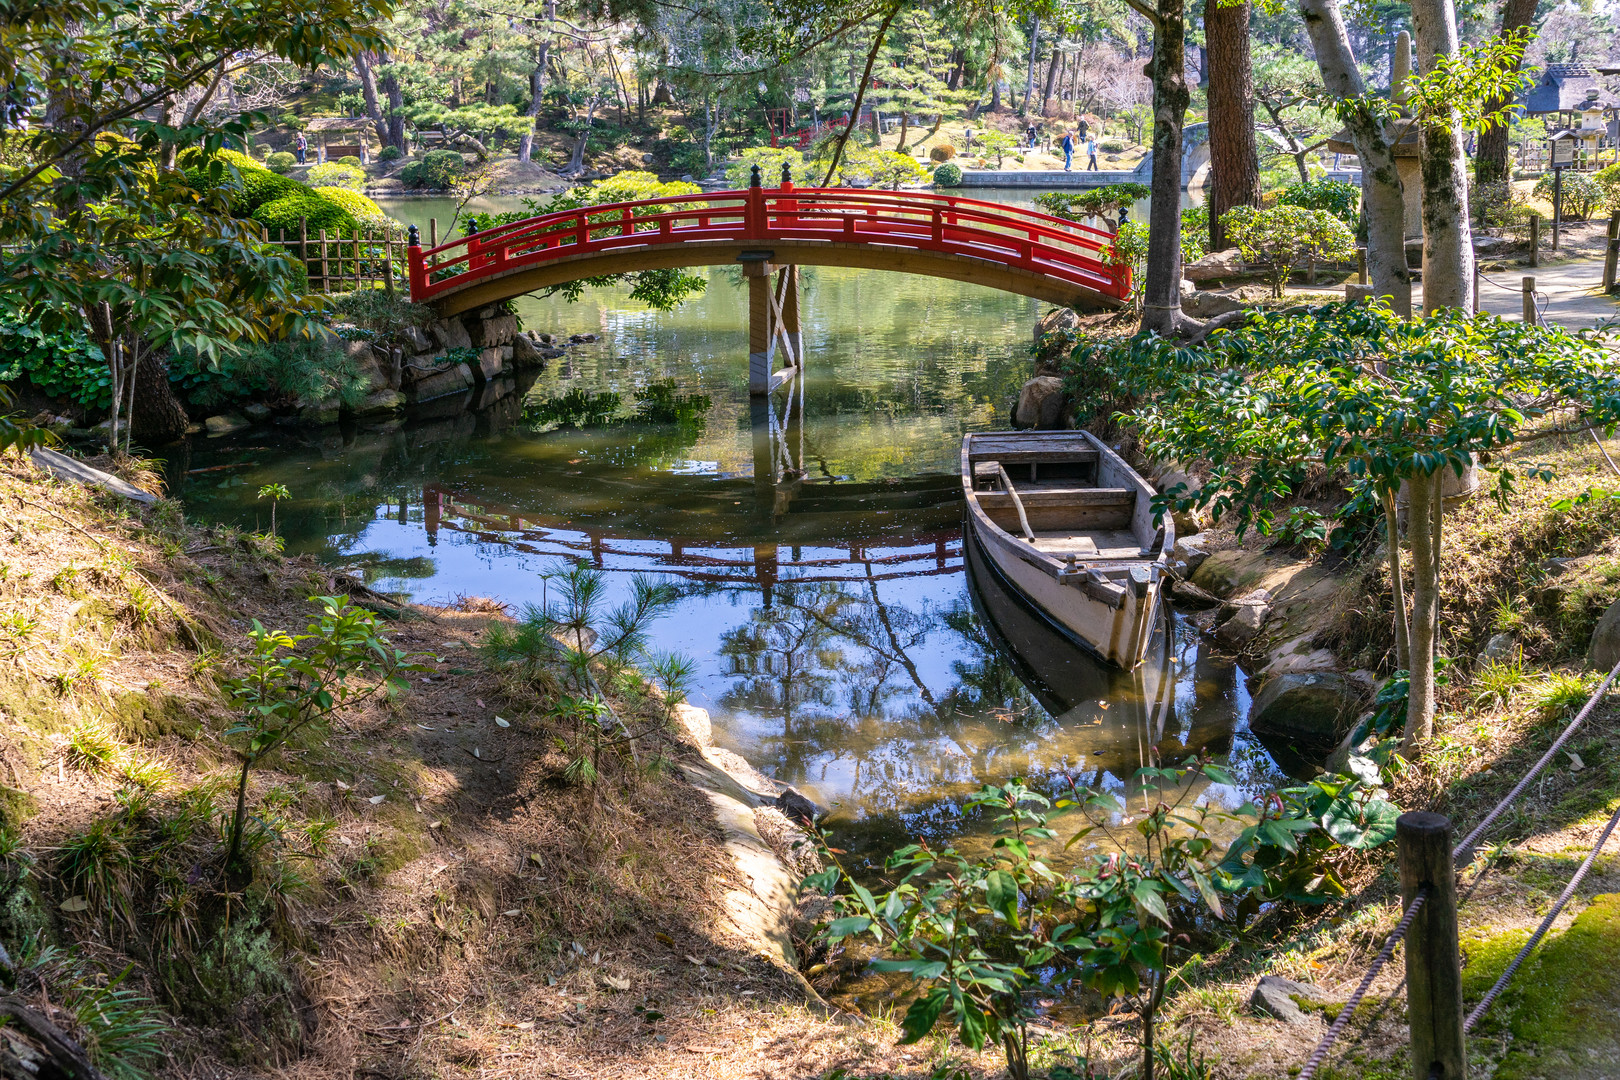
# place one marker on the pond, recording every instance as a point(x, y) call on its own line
point(844, 641)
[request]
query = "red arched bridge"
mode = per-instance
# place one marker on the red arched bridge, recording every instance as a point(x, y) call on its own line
point(1003, 247)
point(773, 231)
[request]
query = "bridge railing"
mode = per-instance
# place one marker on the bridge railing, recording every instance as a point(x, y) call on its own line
point(994, 232)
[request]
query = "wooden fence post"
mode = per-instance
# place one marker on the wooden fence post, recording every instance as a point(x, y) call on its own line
point(303, 249)
point(1361, 265)
point(1611, 253)
point(1433, 968)
point(433, 232)
point(1530, 301)
point(1535, 239)
point(326, 269)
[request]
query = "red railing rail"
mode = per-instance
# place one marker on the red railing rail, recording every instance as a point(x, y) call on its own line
point(1011, 236)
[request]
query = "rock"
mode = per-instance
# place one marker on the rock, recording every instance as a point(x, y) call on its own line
point(1189, 597)
point(581, 339)
point(1190, 556)
point(491, 332)
point(370, 364)
point(1054, 339)
point(1215, 266)
point(552, 354)
point(1318, 708)
point(381, 401)
point(797, 807)
point(320, 414)
point(1253, 598)
point(257, 411)
point(543, 339)
point(506, 354)
point(1500, 647)
point(1172, 478)
point(1188, 522)
point(1040, 404)
point(490, 364)
point(1207, 305)
point(524, 354)
point(415, 340)
point(1274, 996)
point(1296, 662)
point(1355, 294)
point(451, 380)
point(1487, 244)
point(451, 334)
point(1056, 321)
point(1604, 651)
point(224, 425)
point(1187, 289)
point(1350, 746)
point(1241, 627)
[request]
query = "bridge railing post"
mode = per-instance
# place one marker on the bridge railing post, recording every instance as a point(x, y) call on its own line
point(754, 214)
point(414, 265)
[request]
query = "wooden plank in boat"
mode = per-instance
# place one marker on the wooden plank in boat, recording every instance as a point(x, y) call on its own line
point(1023, 455)
point(995, 500)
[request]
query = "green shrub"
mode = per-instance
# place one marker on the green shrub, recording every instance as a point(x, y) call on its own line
point(259, 186)
point(389, 153)
point(280, 161)
point(1341, 199)
point(1284, 236)
point(298, 370)
point(309, 211)
point(349, 159)
point(363, 209)
point(60, 365)
point(438, 169)
point(948, 175)
point(194, 156)
point(1608, 182)
point(1499, 204)
point(1096, 202)
point(770, 160)
point(942, 153)
point(1582, 193)
point(1194, 233)
point(1112, 146)
point(338, 174)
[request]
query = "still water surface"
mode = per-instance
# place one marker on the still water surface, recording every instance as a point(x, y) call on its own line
point(844, 640)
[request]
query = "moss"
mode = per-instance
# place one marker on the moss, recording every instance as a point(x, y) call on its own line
point(236, 983)
point(1228, 573)
point(22, 913)
point(16, 806)
point(1561, 1006)
point(150, 715)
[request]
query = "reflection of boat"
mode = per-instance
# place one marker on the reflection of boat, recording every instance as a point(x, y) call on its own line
point(1075, 534)
point(1133, 709)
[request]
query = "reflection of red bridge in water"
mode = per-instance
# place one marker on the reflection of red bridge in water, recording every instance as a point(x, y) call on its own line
point(908, 554)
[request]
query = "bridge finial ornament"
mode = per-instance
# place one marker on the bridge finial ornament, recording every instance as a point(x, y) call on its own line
point(414, 237)
point(753, 178)
point(787, 174)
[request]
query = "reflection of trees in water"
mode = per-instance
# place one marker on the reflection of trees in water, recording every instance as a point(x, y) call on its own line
point(987, 682)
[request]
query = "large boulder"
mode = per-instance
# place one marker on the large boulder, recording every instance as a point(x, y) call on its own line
point(225, 424)
point(1216, 266)
point(1316, 708)
point(1604, 651)
point(370, 364)
point(450, 334)
point(1207, 305)
point(1041, 404)
point(1280, 997)
point(1242, 626)
point(492, 332)
point(381, 401)
point(524, 352)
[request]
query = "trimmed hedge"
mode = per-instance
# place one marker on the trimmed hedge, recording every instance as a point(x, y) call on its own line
point(438, 169)
point(280, 161)
point(948, 175)
point(337, 174)
point(389, 153)
point(260, 186)
point(321, 213)
point(362, 208)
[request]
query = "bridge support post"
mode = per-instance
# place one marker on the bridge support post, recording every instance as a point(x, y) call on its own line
point(773, 324)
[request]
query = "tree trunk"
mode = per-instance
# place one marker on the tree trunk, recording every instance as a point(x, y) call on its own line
point(1448, 245)
point(388, 82)
point(537, 88)
point(1491, 154)
point(1161, 291)
point(576, 160)
point(1423, 519)
point(1051, 77)
point(368, 91)
point(1034, 47)
point(905, 126)
point(953, 81)
point(156, 415)
point(1234, 159)
point(1403, 653)
point(1385, 216)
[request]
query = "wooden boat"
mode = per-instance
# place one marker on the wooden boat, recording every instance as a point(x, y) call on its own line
point(1070, 526)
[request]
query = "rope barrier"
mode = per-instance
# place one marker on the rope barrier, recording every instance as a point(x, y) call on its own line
point(1546, 924)
point(1465, 849)
point(1383, 957)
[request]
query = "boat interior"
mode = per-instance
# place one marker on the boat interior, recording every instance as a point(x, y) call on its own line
point(1061, 494)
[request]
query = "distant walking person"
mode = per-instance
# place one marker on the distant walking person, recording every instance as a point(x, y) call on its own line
point(1032, 134)
point(1068, 151)
point(302, 145)
point(1091, 152)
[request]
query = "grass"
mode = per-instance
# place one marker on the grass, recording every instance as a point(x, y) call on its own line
point(1497, 681)
point(1562, 691)
point(92, 748)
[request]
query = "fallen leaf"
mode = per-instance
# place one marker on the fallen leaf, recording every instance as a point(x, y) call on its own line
point(664, 938)
point(1575, 762)
point(502, 722)
point(616, 983)
point(75, 903)
point(694, 960)
point(480, 702)
point(514, 911)
point(434, 824)
point(345, 841)
point(477, 755)
point(527, 1025)
point(375, 799)
point(341, 786)
point(534, 857)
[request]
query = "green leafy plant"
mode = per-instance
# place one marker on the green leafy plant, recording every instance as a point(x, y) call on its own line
point(948, 175)
point(305, 211)
point(60, 364)
point(358, 205)
point(770, 160)
point(389, 153)
point(1094, 202)
point(296, 371)
point(294, 681)
point(1303, 527)
point(439, 170)
point(1582, 192)
point(275, 493)
point(1282, 237)
point(281, 162)
point(1336, 197)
